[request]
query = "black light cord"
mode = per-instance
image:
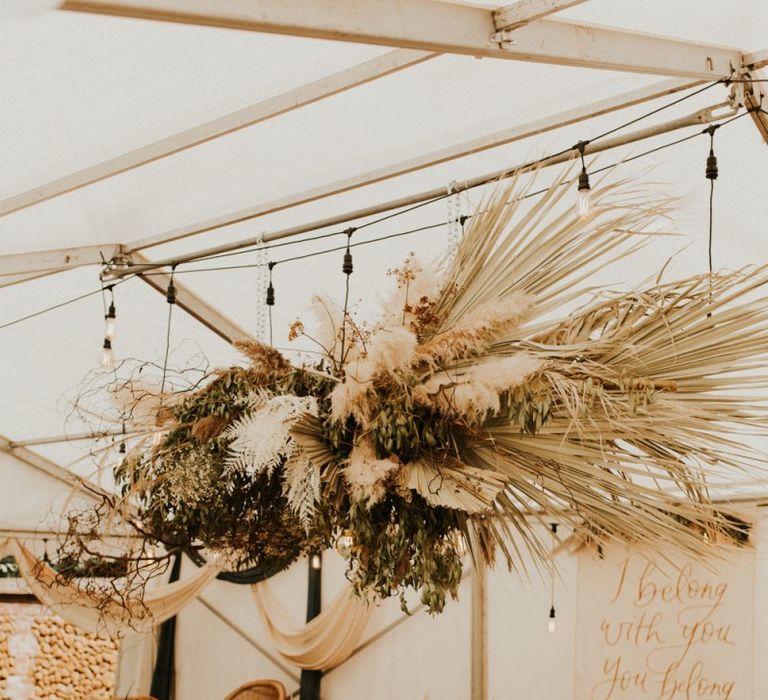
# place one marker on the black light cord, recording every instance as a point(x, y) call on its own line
point(270, 301)
point(373, 240)
point(711, 172)
point(438, 198)
point(305, 256)
point(61, 304)
point(170, 297)
point(346, 268)
point(661, 108)
point(553, 529)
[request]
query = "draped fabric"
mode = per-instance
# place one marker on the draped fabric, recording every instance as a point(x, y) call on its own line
point(324, 642)
point(90, 612)
point(256, 574)
point(163, 674)
point(135, 664)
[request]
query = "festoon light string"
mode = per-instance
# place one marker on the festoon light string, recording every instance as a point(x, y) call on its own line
point(264, 248)
point(110, 316)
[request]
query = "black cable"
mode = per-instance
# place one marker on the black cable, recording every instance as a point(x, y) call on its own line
point(604, 168)
point(305, 255)
point(711, 172)
point(711, 201)
point(658, 109)
point(170, 297)
point(346, 268)
point(374, 240)
point(438, 198)
point(51, 308)
point(270, 298)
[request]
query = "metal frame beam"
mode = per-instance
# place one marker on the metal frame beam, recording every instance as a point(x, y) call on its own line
point(754, 99)
point(50, 468)
point(429, 25)
point(21, 267)
point(427, 160)
point(703, 116)
point(221, 126)
point(49, 261)
point(524, 12)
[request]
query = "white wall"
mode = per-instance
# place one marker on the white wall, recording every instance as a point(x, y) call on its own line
point(424, 657)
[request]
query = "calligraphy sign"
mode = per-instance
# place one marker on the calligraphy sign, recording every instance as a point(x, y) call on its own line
point(651, 629)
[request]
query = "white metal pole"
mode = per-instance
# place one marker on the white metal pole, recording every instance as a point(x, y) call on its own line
point(703, 116)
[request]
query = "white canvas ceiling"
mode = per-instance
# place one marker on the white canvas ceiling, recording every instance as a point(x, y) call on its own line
point(78, 89)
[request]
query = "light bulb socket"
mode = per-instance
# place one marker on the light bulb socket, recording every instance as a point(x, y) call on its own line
point(121, 449)
point(712, 170)
point(107, 344)
point(270, 295)
point(584, 185)
point(346, 268)
point(111, 311)
point(170, 295)
point(552, 613)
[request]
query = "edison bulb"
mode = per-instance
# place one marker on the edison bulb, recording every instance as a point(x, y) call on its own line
point(551, 625)
point(316, 563)
point(584, 203)
point(110, 332)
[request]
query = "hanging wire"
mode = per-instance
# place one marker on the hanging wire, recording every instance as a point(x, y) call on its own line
point(438, 198)
point(270, 300)
point(170, 297)
point(711, 172)
point(346, 268)
point(370, 241)
point(553, 528)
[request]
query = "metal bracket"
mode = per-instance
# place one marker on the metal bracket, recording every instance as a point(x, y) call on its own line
point(503, 37)
point(743, 91)
point(724, 110)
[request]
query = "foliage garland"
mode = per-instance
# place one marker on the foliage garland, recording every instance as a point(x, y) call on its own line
point(467, 417)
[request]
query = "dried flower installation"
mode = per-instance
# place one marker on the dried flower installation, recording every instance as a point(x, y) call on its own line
point(483, 402)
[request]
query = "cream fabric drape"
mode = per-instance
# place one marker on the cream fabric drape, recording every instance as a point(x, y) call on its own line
point(324, 642)
point(85, 610)
point(135, 664)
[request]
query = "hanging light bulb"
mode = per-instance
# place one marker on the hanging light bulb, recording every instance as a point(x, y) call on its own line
point(551, 623)
point(344, 543)
point(584, 196)
point(107, 358)
point(316, 562)
point(110, 318)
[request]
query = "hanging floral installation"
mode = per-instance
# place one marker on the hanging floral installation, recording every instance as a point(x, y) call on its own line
point(487, 399)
